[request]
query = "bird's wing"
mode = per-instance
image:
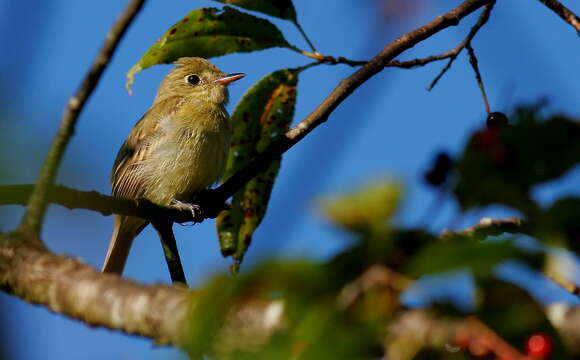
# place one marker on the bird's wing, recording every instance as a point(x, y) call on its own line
point(126, 177)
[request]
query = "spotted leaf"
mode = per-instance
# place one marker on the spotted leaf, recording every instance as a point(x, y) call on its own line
point(210, 32)
point(263, 116)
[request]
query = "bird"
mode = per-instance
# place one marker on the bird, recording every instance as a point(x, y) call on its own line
point(179, 147)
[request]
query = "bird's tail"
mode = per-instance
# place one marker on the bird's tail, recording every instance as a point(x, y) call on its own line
point(125, 230)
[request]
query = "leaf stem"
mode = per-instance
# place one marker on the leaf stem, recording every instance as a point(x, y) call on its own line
point(303, 33)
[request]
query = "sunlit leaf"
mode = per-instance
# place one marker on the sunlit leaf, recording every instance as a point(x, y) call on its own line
point(363, 210)
point(263, 116)
point(210, 32)
point(283, 9)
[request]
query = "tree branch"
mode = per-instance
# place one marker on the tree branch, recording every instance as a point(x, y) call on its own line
point(453, 53)
point(489, 227)
point(32, 220)
point(74, 289)
point(92, 200)
point(563, 12)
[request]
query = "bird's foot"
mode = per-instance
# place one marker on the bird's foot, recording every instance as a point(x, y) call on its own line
point(195, 209)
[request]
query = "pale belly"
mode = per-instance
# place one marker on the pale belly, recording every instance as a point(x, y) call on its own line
point(177, 170)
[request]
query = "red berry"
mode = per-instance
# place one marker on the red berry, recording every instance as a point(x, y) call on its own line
point(539, 346)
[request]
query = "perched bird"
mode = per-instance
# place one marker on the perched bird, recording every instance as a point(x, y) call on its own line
point(177, 148)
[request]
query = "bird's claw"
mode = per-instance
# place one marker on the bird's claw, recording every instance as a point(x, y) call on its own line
point(195, 209)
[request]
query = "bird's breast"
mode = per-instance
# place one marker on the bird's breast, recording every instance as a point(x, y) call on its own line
point(187, 158)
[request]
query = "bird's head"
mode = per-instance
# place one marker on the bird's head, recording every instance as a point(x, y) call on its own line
point(197, 78)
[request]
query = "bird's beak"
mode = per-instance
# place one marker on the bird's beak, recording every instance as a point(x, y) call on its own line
point(229, 78)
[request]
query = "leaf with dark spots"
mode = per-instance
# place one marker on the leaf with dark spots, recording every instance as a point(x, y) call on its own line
point(265, 109)
point(210, 32)
point(283, 9)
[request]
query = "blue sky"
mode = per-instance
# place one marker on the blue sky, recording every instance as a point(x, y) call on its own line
point(391, 127)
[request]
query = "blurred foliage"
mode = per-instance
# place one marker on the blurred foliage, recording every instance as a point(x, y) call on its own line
point(364, 210)
point(502, 163)
point(513, 314)
point(349, 306)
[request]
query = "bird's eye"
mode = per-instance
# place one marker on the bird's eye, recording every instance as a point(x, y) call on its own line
point(192, 79)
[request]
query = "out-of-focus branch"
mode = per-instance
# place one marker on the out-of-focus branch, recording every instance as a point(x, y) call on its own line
point(489, 227)
point(563, 12)
point(494, 227)
point(32, 220)
point(564, 283)
point(414, 330)
point(74, 289)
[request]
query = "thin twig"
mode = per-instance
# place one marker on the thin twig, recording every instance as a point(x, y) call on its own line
point(564, 283)
point(488, 227)
point(32, 220)
point(483, 18)
point(475, 67)
point(344, 89)
point(409, 64)
point(563, 12)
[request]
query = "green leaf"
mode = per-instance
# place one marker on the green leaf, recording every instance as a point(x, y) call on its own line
point(501, 165)
point(263, 116)
point(364, 210)
point(210, 32)
point(283, 9)
point(478, 256)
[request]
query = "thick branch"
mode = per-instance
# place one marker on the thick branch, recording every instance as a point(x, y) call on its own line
point(32, 221)
point(74, 289)
point(344, 89)
point(563, 12)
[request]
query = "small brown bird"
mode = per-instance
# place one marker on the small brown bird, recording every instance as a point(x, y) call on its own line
point(180, 146)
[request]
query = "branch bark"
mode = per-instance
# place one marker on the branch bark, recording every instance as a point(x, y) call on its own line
point(92, 200)
point(563, 12)
point(74, 289)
